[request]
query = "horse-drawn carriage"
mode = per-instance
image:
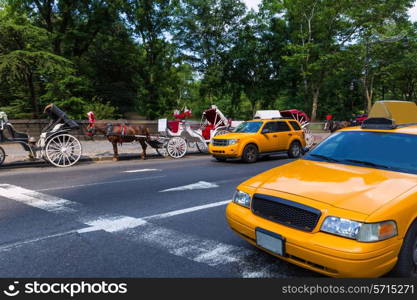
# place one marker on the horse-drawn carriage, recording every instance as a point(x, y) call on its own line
point(180, 134)
point(55, 145)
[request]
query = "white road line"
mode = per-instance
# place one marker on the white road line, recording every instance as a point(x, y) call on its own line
point(201, 185)
point(186, 210)
point(142, 171)
point(35, 240)
point(100, 183)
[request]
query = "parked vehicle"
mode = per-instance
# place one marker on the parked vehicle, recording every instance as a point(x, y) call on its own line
point(260, 137)
point(348, 208)
point(55, 145)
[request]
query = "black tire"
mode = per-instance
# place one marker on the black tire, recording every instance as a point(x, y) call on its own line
point(295, 150)
point(222, 159)
point(250, 154)
point(2, 156)
point(407, 259)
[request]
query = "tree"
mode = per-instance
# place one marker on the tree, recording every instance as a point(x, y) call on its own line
point(24, 58)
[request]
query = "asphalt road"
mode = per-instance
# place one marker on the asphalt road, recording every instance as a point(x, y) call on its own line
point(129, 219)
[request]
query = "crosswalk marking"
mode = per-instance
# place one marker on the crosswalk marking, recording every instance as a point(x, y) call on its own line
point(36, 199)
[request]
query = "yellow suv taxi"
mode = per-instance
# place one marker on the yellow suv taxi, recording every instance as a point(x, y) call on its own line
point(259, 138)
point(348, 208)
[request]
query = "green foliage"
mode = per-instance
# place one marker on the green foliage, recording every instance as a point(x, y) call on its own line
point(153, 56)
point(102, 111)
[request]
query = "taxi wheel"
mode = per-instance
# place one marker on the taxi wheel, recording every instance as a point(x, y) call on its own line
point(250, 154)
point(295, 150)
point(222, 159)
point(407, 259)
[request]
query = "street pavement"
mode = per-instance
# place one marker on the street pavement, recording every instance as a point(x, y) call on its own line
point(153, 218)
point(99, 149)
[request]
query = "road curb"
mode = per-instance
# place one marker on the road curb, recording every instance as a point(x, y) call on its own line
point(86, 159)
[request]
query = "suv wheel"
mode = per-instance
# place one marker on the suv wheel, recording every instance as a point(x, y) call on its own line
point(250, 154)
point(295, 150)
point(407, 259)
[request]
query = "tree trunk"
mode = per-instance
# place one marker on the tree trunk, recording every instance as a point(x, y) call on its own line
point(33, 99)
point(316, 93)
point(369, 95)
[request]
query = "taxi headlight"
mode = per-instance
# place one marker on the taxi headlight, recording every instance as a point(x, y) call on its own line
point(362, 232)
point(242, 198)
point(232, 142)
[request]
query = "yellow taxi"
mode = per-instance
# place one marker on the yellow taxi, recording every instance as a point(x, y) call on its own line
point(348, 208)
point(260, 137)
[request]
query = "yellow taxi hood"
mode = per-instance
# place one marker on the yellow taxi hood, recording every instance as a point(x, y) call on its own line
point(359, 189)
point(233, 135)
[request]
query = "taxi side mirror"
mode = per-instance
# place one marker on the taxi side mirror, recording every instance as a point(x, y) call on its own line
point(306, 150)
point(266, 130)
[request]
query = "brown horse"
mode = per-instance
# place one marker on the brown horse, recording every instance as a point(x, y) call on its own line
point(119, 134)
point(333, 126)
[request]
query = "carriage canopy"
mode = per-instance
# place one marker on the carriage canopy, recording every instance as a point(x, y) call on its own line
point(58, 116)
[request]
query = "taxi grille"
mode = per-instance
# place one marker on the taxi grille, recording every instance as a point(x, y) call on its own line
point(218, 142)
point(285, 212)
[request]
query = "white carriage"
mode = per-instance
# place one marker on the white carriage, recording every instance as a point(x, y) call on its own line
point(180, 134)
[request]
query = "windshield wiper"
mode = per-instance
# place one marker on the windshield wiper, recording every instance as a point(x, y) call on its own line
point(367, 163)
point(325, 157)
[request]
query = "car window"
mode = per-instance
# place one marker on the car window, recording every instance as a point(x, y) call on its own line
point(271, 126)
point(248, 127)
point(295, 125)
point(381, 150)
point(282, 126)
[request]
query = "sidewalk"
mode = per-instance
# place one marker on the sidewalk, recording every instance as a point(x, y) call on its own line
point(92, 151)
point(99, 150)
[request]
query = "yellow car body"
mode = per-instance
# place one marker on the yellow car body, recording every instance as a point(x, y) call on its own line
point(284, 134)
point(314, 189)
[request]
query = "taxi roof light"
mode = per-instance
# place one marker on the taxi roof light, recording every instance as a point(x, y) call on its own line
point(391, 115)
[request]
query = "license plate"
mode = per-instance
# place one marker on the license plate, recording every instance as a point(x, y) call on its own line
point(270, 241)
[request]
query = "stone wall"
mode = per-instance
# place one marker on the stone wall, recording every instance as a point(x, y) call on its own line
point(34, 127)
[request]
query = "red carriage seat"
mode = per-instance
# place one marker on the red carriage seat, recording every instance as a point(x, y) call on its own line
point(174, 126)
point(206, 131)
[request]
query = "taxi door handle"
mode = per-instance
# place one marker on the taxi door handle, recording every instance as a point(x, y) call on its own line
point(290, 134)
point(274, 135)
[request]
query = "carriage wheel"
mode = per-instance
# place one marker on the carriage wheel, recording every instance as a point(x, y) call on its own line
point(63, 150)
point(177, 147)
point(309, 137)
point(2, 156)
point(202, 147)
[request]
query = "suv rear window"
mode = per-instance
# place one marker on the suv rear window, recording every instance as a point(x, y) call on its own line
point(295, 125)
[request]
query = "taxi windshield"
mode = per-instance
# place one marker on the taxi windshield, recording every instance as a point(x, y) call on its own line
point(379, 150)
point(248, 127)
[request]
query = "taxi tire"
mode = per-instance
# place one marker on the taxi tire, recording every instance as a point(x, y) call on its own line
point(250, 154)
point(222, 159)
point(407, 266)
point(291, 153)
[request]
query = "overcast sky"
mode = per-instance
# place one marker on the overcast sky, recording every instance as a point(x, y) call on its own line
point(254, 4)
